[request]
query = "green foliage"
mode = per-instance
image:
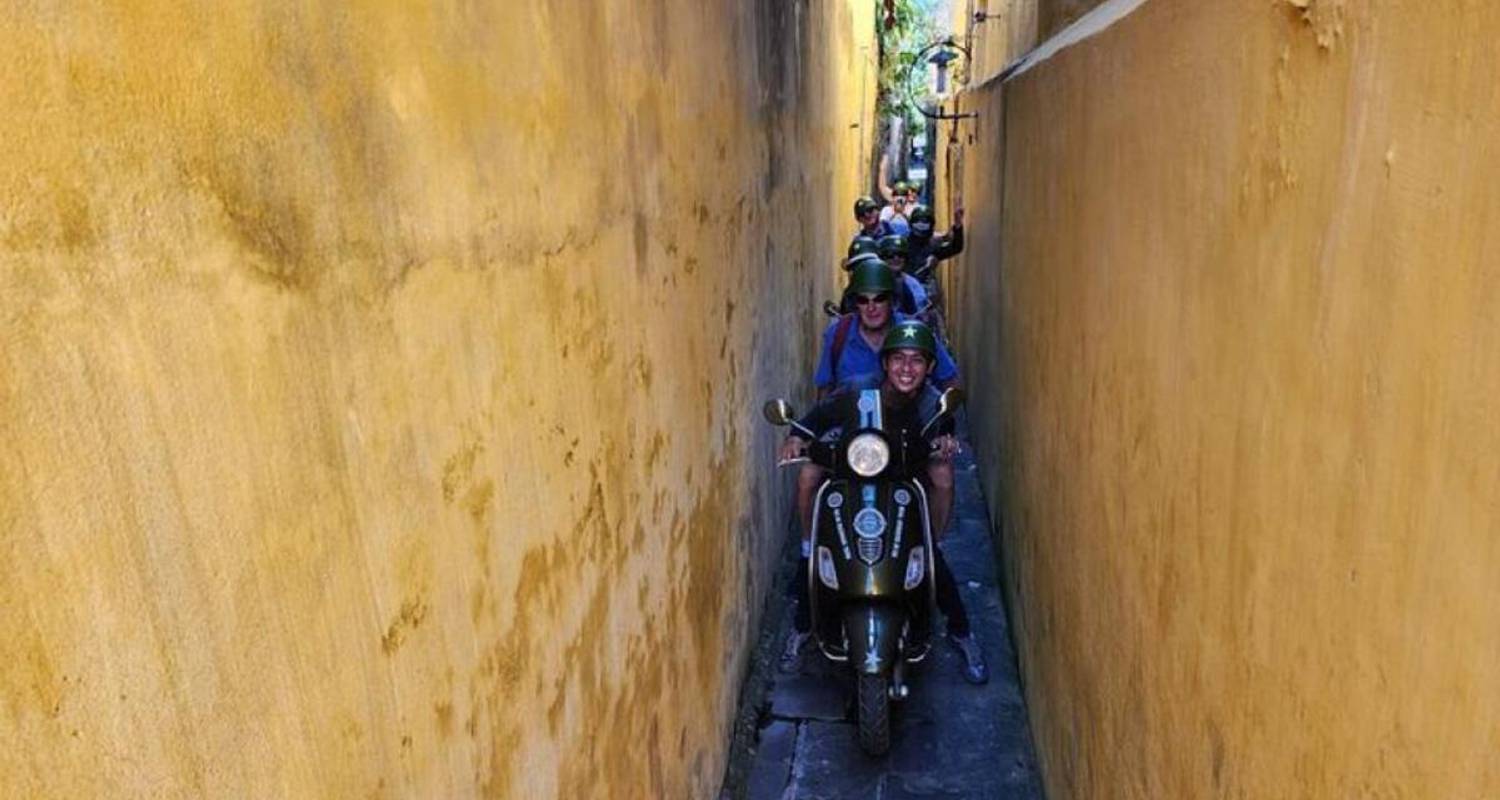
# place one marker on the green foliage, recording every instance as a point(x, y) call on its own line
point(907, 28)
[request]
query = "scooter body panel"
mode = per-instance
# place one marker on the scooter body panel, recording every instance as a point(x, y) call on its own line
point(874, 631)
point(864, 535)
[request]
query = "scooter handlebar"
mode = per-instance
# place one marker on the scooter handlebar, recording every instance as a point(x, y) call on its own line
point(820, 453)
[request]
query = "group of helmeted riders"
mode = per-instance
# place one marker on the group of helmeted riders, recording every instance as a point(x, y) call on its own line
point(889, 334)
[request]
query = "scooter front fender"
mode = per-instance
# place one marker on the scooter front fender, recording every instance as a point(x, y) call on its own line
point(874, 631)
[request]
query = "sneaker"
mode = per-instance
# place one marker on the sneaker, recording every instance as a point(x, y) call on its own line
point(975, 671)
point(791, 655)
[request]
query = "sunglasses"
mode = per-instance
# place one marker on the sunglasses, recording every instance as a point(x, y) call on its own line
point(865, 299)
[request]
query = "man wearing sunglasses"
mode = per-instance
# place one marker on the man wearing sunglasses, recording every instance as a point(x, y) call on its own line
point(910, 296)
point(867, 214)
point(850, 358)
point(893, 251)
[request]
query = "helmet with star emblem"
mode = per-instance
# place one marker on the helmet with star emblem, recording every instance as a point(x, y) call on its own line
point(910, 335)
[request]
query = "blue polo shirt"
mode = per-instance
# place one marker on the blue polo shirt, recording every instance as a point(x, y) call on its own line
point(918, 293)
point(859, 364)
point(898, 224)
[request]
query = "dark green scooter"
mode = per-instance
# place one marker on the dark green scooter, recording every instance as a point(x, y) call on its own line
point(869, 578)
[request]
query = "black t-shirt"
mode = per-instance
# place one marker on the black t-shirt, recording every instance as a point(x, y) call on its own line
point(902, 421)
point(937, 248)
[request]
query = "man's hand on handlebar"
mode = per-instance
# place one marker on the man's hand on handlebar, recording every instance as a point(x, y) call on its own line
point(793, 448)
point(945, 447)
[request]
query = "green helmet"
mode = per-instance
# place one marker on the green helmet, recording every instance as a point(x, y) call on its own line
point(861, 249)
point(921, 222)
point(900, 188)
point(865, 205)
point(871, 276)
point(863, 244)
point(893, 246)
point(910, 335)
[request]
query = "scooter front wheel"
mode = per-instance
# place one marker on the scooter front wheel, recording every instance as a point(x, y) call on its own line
point(874, 713)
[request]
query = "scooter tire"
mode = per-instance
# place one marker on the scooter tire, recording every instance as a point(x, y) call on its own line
point(874, 714)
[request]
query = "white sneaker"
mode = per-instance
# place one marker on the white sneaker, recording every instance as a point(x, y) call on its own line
point(975, 671)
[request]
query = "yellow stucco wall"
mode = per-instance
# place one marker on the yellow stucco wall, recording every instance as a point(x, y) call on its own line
point(378, 385)
point(1054, 15)
point(1009, 28)
point(1231, 324)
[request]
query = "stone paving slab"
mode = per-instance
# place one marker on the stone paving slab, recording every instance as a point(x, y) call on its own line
point(820, 697)
point(830, 765)
point(774, 754)
point(950, 740)
point(897, 790)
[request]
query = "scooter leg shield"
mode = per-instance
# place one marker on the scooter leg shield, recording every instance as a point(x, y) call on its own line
point(874, 630)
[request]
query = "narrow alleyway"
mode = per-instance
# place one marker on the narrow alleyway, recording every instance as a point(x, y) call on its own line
point(951, 740)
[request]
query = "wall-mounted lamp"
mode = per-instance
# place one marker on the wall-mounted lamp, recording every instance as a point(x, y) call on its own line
point(941, 54)
point(940, 61)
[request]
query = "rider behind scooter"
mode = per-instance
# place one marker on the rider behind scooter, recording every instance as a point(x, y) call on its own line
point(909, 299)
point(892, 251)
point(908, 354)
point(926, 247)
point(867, 214)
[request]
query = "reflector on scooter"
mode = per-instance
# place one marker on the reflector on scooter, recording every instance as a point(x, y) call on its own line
point(916, 566)
point(826, 572)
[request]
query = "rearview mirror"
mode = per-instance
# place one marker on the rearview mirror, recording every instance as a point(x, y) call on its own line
point(778, 412)
point(950, 401)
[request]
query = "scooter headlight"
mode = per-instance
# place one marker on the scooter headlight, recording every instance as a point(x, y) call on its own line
point(826, 572)
point(916, 567)
point(868, 454)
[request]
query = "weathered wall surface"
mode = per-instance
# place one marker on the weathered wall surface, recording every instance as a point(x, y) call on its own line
point(1054, 15)
point(1234, 378)
point(378, 386)
point(1009, 29)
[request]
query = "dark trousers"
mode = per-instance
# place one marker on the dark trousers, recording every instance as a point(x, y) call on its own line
point(948, 600)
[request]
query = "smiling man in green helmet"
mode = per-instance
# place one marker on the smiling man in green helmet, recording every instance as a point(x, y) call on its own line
point(908, 353)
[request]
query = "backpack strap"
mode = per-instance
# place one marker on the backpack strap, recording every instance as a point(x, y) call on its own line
point(840, 338)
